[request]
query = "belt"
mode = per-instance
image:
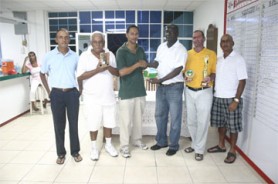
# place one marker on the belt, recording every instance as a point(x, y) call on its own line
point(64, 89)
point(197, 89)
point(172, 84)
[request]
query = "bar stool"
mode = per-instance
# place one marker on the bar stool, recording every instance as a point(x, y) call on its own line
point(40, 97)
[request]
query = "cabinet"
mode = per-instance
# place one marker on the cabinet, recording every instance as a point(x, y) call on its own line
point(14, 96)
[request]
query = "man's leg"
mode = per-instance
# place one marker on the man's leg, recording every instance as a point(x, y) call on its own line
point(59, 119)
point(108, 144)
point(161, 117)
point(174, 98)
point(72, 105)
point(222, 133)
point(233, 139)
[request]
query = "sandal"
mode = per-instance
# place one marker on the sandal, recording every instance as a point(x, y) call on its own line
point(231, 157)
point(77, 157)
point(216, 149)
point(199, 157)
point(188, 150)
point(61, 159)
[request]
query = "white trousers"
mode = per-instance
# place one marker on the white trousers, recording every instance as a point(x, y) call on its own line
point(198, 106)
point(131, 116)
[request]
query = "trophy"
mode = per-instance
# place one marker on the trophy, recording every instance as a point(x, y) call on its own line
point(150, 73)
point(205, 72)
point(189, 74)
point(103, 57)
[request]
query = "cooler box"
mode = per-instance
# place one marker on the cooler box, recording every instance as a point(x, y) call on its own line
point(7, 67)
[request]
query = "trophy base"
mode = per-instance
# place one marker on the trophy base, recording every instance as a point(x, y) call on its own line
point(104, 65)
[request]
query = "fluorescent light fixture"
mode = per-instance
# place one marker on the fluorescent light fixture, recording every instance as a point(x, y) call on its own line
point(116, 30)
point(109, 20)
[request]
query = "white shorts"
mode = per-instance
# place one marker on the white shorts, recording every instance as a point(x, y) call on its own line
point(99, 115)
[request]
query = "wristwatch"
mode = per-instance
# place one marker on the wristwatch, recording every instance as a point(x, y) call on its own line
point(236, 100)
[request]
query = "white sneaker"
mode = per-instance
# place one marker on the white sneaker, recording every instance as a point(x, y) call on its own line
point(94, 154)
point(141, 145)
point(111, 150)
point(125, 152)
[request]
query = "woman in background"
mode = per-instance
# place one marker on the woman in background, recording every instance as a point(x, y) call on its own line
point(34, 68)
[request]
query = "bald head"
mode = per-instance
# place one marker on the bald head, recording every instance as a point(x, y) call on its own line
point(227, 37)
point(227, 44)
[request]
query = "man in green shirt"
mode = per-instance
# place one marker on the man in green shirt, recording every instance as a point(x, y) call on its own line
point(131, 60)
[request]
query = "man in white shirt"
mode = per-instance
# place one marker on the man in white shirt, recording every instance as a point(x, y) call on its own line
point(231, 75)
point(95, 71)
point(170, 59)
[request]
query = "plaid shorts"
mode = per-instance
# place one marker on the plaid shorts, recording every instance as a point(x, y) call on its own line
point(221, 117)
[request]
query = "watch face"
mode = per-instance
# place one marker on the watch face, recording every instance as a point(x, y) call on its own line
point(236, 99)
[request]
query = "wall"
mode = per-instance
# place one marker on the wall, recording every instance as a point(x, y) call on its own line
point(253, 25)
point(11, 44)
point(210, 13)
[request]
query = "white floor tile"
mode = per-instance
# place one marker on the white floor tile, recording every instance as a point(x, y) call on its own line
point(173, 175)
point(38, 173)
point(202, 173)
point(107, 174)
point(28, 156)
point(233, 173)
point(14, 172)
point(140, 175)
point(78, 173)
point(7, 156)
point(163, 160)
point(16, 145)
point(146, 158)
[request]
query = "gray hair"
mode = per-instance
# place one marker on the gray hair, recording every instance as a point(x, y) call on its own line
point(97, 33)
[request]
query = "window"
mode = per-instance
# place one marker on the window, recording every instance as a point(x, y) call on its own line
point(58, 20)
point(150, 24)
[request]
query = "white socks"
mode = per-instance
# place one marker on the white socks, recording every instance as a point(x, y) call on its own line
point(94, 144)
point(108, 140)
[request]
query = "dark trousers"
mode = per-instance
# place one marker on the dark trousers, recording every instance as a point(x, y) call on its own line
point(62, 104)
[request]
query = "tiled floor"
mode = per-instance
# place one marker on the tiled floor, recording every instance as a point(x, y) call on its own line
point(27, 155)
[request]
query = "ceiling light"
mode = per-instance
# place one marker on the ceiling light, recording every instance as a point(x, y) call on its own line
point(109, 20)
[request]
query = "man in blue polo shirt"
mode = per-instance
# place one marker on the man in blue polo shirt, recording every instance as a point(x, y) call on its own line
point(59, 67)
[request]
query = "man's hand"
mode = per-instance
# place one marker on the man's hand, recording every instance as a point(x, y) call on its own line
point(188, 79)
point(142, 64)
point(101, 67)
point(232, 107)
point(206, 80)
point(155, 81)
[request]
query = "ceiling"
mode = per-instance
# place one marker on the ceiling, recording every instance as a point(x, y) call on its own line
point(74, 5)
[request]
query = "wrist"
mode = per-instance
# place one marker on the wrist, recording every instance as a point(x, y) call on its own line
point(236, 100)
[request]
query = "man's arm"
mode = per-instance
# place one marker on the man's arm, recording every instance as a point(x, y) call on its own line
point(170, 75)
point(240, 89)
point(128, 70)
point(153, 64)
point(91, 73)
point(113, 71)
point(44, 82)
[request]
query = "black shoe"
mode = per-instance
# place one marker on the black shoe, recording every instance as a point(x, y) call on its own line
point(157, 147)
point(171, 152)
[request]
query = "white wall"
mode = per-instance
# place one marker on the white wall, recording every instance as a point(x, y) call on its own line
point(11, 44)
point(210, 13)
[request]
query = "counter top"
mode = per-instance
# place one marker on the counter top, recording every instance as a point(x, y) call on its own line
point(7, 77)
